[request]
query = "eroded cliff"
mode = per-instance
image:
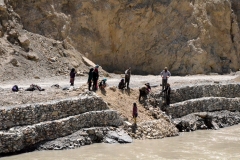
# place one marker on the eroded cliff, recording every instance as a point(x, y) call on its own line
point(188, 36)
point(25, 55)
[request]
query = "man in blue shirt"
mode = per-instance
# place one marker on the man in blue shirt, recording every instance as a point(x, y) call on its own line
point(165, 74)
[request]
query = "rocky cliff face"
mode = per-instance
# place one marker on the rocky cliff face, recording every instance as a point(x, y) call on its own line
point(188, 36)
point(27, 55)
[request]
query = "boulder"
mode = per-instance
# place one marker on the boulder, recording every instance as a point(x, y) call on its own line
point(121, 136)
point(88, 62)
point(127, 124)
point(14, 62)
point(215, 125)
point(2, 4)
point(109, 140)
point(24, 41)
point(4, 23)
point(53, 59)
point(13, 33)
point(31, 56)
point(186, 123)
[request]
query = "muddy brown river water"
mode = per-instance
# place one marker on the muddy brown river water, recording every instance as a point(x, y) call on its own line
point(205, 144)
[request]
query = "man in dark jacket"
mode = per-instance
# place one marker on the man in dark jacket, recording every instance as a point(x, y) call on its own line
point(167, 91)
point(95, 78)
point(90, 78)
point(72, 76)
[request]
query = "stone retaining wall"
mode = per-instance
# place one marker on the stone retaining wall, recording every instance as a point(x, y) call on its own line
point(207, 120)
point(35, 113)
point(199, 91)
point(19, 138)
point(207, 104)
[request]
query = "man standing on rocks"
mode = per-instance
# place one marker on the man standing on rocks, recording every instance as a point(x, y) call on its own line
point(165, 74)
point(127, 77)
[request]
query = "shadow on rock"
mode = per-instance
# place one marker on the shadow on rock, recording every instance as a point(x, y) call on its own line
point(134, 128)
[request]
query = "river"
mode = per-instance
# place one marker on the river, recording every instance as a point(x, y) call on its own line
point(204, 144)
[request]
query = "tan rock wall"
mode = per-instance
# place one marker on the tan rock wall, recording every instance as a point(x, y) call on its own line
point(188, 36)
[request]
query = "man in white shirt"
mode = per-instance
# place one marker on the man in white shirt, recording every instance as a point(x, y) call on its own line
point(127, 77)
point(165, 74)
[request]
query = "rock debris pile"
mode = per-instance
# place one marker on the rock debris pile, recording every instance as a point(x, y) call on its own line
point(155, 129)
point(87, 136)
point(28, 55)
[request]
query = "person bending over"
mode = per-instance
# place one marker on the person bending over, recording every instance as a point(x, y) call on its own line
point(103, 83)
point(121, 84)
point(144, 91)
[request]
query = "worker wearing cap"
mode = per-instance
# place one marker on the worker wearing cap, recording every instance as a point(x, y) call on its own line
point(165, 74)
point(103, 83)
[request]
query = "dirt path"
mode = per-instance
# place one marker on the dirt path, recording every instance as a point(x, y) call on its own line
point(136, 80)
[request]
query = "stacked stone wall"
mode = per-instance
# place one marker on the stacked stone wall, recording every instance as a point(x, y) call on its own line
point(216, 90)
point(202, 98)
point(34, 113)
point(220, 102)
point(207, 104)
point(22, 127)
point(19, 138)
point(199, 91)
